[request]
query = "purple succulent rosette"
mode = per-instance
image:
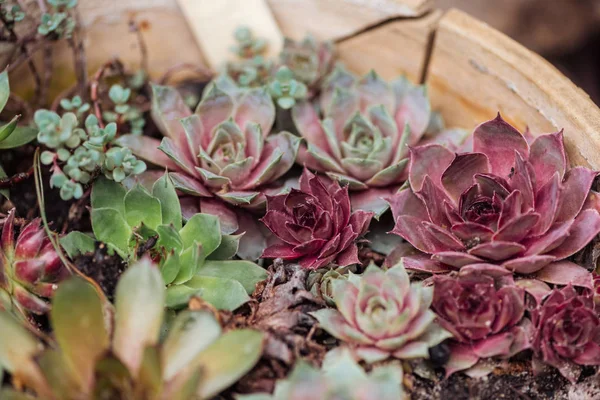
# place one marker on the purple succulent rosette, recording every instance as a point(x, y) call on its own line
point(362, 138)
point(222, 157)
point(315, 225)
point(484, 316)
point(381, 314)
point(30, 268)
point(567, 332)
point(508, 206)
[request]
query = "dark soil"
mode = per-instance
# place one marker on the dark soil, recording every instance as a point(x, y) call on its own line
point(102, 267)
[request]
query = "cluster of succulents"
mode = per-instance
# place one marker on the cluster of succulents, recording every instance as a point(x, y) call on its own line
point(92, 359)
point(239, 210)
point(78, 154)
point(11, 13)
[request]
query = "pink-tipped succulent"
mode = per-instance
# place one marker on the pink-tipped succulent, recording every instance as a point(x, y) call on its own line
point(567, 332)
point(362, 139)
point(508, 205)
point(309, 60)
point(29, 268)
point(223, 150)
point(315, 225)
point(382, 314)
point(485, 318)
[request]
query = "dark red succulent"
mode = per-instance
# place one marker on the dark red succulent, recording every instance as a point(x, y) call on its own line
point(315, 224)
point(567, 332)
point(29, 268)
point(508, 204)
point(484, 316)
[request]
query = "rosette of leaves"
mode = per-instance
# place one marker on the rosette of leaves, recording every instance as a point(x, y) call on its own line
point(382, 314)
point(285, 89)
point(340, 377)
point(485, 316)
point(59, 23)
point(320, 282)
point(363, 136)
point(124, 112)
point(308, 59)
point(194, 259)
point(252, 69)
point(511, 205)
point(30, 268)
point(90, 359)
point(11, 135)
point(222, 155)
point(567, 332)
point(75, 105)
point(11, 13)
point(80, 153)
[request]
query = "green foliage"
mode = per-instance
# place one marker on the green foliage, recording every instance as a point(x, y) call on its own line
point(58, 23)
point(194, 259)
point(11, 13)
point(75, 105)
point(84, 151)
point(124, 112)
point(285, 90)
point(247, 45)
point(89, 358)
point(75, 243)
point(11, 135)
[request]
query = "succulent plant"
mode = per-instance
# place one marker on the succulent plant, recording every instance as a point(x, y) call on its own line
point(124, 112)
point(195, 259)
point(362, 139)
point(382, 314)
point(75, 105)
point(484, 316)
point(506, 206)
point(223, 150)
point(567, 332)
point(252, 69)
point(89, 359)
point(58, 23)
point(320, 281)
point(84, 151)
point(286, 90)
point(309, 60)
point(247, 45)
point(29, 268)
point(11, 13)
point(315, 224)
point(339, 378)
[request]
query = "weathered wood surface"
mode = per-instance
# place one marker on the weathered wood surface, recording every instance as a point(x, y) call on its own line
point(475, 71)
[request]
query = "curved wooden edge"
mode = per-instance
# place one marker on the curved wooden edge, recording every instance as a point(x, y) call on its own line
point(476, 71)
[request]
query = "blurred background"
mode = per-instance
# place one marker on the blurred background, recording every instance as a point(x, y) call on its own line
point(565, 32)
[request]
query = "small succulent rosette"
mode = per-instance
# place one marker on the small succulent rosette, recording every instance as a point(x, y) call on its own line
point(315, 224)
point(567, 332)
point(30, 268)
point(485, 317)
point(309, 60)
point(507, 206)
point(223, 155)
point(381, 314)
point(363, 136)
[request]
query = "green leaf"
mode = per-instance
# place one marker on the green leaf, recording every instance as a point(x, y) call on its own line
point(169, 238)
point(4, 89)
point(54, 368)
point(245, 272)
point(164, 191)
point(141, 207)
point(139, 302)
point(189, 261)
point(4, 192)
point(170, 268)
point(112, 378)
point(79, 329)
point(10, 394)
point(204, 229)
point(14, 336)
point(76, 243)
point(228, 247)
point(9, 128)
point(192, 332)
point(149, 382)
point(224, 294)
point(110, 227)
point(21, 135)
point(108, 194)
point(232, 356)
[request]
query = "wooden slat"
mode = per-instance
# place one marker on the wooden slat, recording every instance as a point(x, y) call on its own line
point(476, 71)
point(214, 21)
point(335, 19)
point(393, 49)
